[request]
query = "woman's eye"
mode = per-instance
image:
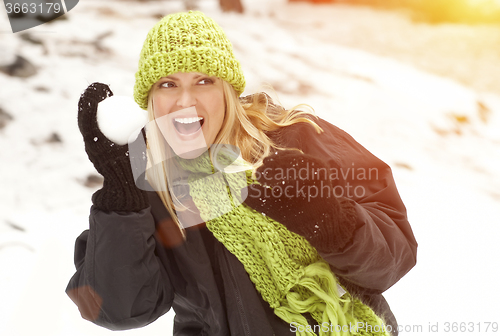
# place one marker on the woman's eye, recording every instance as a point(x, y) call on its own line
point(205, 81)
point(167, 84)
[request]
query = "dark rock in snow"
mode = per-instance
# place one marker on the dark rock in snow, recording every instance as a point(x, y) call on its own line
point(21, 67)
point(14, 15)
point(28, 37)
point(98, 41)
point(54, 138)
point(51, 17)
point(15, 226)
point(41, 88)
point(5, 118)
point(93, 180)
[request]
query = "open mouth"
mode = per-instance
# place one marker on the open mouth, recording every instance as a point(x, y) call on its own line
point(188, 126)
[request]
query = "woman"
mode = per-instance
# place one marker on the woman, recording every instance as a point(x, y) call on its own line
point(299, 233)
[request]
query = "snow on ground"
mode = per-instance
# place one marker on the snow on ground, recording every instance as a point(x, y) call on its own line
point(440, 137)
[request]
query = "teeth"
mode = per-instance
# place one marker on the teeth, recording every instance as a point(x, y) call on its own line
point(188, 120)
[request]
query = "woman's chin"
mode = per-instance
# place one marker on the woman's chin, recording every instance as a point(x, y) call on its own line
point(190, 154)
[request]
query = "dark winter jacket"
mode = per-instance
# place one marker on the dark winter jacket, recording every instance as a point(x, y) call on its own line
point(132, 267)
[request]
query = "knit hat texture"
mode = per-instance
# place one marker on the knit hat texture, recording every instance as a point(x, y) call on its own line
point(186, 42)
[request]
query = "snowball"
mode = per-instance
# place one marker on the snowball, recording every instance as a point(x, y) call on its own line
point(119, 117)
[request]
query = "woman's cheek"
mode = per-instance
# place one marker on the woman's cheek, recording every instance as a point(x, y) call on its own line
point(160, 107)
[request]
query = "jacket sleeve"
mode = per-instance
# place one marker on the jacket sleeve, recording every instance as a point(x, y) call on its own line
point(119, 283)
point(383, 247)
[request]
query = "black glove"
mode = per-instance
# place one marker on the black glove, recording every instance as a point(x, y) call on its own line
point(296, 191)
point(119, 192)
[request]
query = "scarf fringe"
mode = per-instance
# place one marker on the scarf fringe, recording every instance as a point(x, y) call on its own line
point(316, 293)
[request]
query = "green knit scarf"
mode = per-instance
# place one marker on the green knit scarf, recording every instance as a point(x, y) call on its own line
point(285, 269)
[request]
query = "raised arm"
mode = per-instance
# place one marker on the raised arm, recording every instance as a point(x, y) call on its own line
point(119, 282)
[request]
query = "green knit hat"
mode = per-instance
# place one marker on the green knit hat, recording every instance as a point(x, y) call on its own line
point(186, 42)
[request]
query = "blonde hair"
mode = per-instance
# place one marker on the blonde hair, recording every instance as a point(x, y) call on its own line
point(244, 126)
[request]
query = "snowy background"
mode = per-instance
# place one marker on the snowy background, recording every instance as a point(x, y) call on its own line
point(423, 98)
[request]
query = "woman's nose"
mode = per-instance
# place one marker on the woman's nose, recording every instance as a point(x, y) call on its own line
point(186, 99)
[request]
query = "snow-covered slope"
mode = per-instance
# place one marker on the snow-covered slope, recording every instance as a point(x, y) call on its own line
point(441, 138)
